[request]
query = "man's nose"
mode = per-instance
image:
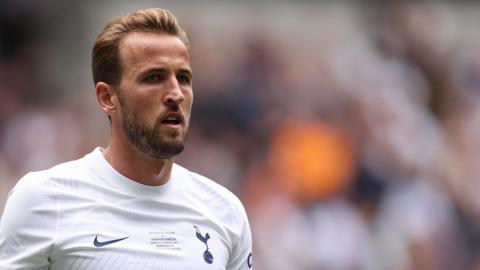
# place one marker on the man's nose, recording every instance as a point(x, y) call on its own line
point(174, 93)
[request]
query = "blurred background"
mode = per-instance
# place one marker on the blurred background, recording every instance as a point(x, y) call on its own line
point(350, 129)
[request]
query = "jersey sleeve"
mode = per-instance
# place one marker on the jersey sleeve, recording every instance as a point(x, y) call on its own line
point(28, 225)
point(241, 257)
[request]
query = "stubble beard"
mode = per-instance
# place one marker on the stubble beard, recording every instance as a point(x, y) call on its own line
point(149, 140)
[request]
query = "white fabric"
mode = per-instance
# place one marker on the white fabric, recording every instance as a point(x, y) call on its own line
point(53, 217)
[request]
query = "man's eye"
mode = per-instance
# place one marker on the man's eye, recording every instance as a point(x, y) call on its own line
point(153, 78)
point(183, 79)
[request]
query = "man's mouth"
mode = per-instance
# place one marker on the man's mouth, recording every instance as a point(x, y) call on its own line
point(173, 119)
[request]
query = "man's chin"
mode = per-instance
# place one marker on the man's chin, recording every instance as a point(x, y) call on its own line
point(166, 150)
point(164, 155)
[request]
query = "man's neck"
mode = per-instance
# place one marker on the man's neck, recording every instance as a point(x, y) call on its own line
point(139, 167)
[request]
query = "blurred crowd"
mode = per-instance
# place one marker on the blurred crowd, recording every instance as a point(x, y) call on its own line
point(350, 130)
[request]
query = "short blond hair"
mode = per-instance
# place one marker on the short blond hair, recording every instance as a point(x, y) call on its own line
point(105, 54)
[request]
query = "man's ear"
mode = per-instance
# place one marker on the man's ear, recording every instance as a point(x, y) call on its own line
point(107, 98)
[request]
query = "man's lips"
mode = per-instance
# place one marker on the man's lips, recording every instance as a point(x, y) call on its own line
point(174, 118)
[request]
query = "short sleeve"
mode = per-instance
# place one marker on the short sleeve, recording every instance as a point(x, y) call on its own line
point(241, 257)
point(28, 225)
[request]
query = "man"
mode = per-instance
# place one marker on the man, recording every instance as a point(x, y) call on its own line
point(128, 206)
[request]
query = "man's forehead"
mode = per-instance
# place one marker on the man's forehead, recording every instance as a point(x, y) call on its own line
point(143, 44)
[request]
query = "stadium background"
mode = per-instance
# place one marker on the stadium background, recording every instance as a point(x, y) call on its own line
point(350, 129)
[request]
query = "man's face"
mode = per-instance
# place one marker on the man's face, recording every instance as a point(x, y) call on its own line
point(155, 93)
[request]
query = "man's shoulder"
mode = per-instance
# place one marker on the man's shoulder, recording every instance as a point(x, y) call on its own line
point(73, 169)
point(205, 185)
point(207, 188)
point(42, 185)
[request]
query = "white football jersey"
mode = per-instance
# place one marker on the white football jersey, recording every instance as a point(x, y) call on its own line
point(83, 214)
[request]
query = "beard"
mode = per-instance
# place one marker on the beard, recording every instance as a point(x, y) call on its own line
point(148, 139)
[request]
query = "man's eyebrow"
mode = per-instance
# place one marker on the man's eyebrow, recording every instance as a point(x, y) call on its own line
point(185, 71)
point(163, 70)
point(156, 69)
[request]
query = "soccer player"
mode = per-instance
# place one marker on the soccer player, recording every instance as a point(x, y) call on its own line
point(129, 206)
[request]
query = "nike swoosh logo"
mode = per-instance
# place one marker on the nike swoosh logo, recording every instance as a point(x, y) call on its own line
point(97, 243)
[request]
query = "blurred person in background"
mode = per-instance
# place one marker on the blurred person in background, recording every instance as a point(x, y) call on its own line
point(128, 205)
